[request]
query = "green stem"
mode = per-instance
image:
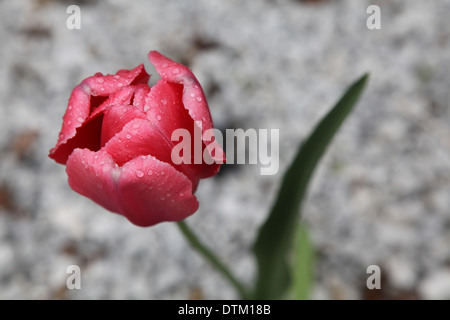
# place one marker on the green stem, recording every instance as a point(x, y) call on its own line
point(208, 255)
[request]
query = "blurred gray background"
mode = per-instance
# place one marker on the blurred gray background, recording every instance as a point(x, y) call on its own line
point(380, 196)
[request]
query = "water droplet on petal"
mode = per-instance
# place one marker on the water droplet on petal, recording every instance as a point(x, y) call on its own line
point(136, 126)
point(176, 71)
point(102, 89)
point(163, 198)
point(139, 174)
point(149, 172)
point(192, 95)
point(164, 101)
point(120, 84)
point(100, 80)
point(146, 108)
point(80, 119)
point(162, 173)
point(165, 65)
point(69, 107)
point(116, 76)
point(199, 99)
point(158, 117)
point(69, 122)
point(181, 194)
point(128, 136)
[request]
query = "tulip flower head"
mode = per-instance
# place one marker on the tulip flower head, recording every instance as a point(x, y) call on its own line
point(116, 142)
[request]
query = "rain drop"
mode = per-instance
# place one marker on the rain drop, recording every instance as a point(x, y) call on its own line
point(120, 84)
point(149, 172)
point(69, 107)
point(158, 117)
point(100, 80)
point(162, 173)
point(199, 99)
point(80, 119)
point(192, 95)
point(164, 101)
point(146, 108)
point(176, 71)
point(139, 174)
point(136, 126)
point(128, 136)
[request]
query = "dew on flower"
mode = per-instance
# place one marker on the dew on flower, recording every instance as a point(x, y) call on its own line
point(139, 174)
point(164, 101)
point(149, 172)
point(100, 80)
point(128, 136)
point(199, 99)
point(120, 84)
point(158, 117)
point(192, 95)
point(80, 119)
point(146, 108)
point(176, 71)
point(136, 126)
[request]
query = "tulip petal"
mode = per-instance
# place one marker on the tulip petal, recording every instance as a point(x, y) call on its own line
point(166, 111)
point(140, 138)
point(145, 190)
point(193, 97)
point(116, 117)
point(103, 85)
point(82, 102)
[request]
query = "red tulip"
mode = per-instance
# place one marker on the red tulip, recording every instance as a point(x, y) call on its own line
point(116, 142)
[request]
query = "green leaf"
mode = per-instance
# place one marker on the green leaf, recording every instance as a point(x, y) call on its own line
point(302, 265)
point(275, 236)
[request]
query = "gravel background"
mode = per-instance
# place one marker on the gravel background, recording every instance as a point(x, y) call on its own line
point(380, 196)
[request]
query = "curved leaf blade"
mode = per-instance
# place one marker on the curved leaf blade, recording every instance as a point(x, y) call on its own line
point(276, 234)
